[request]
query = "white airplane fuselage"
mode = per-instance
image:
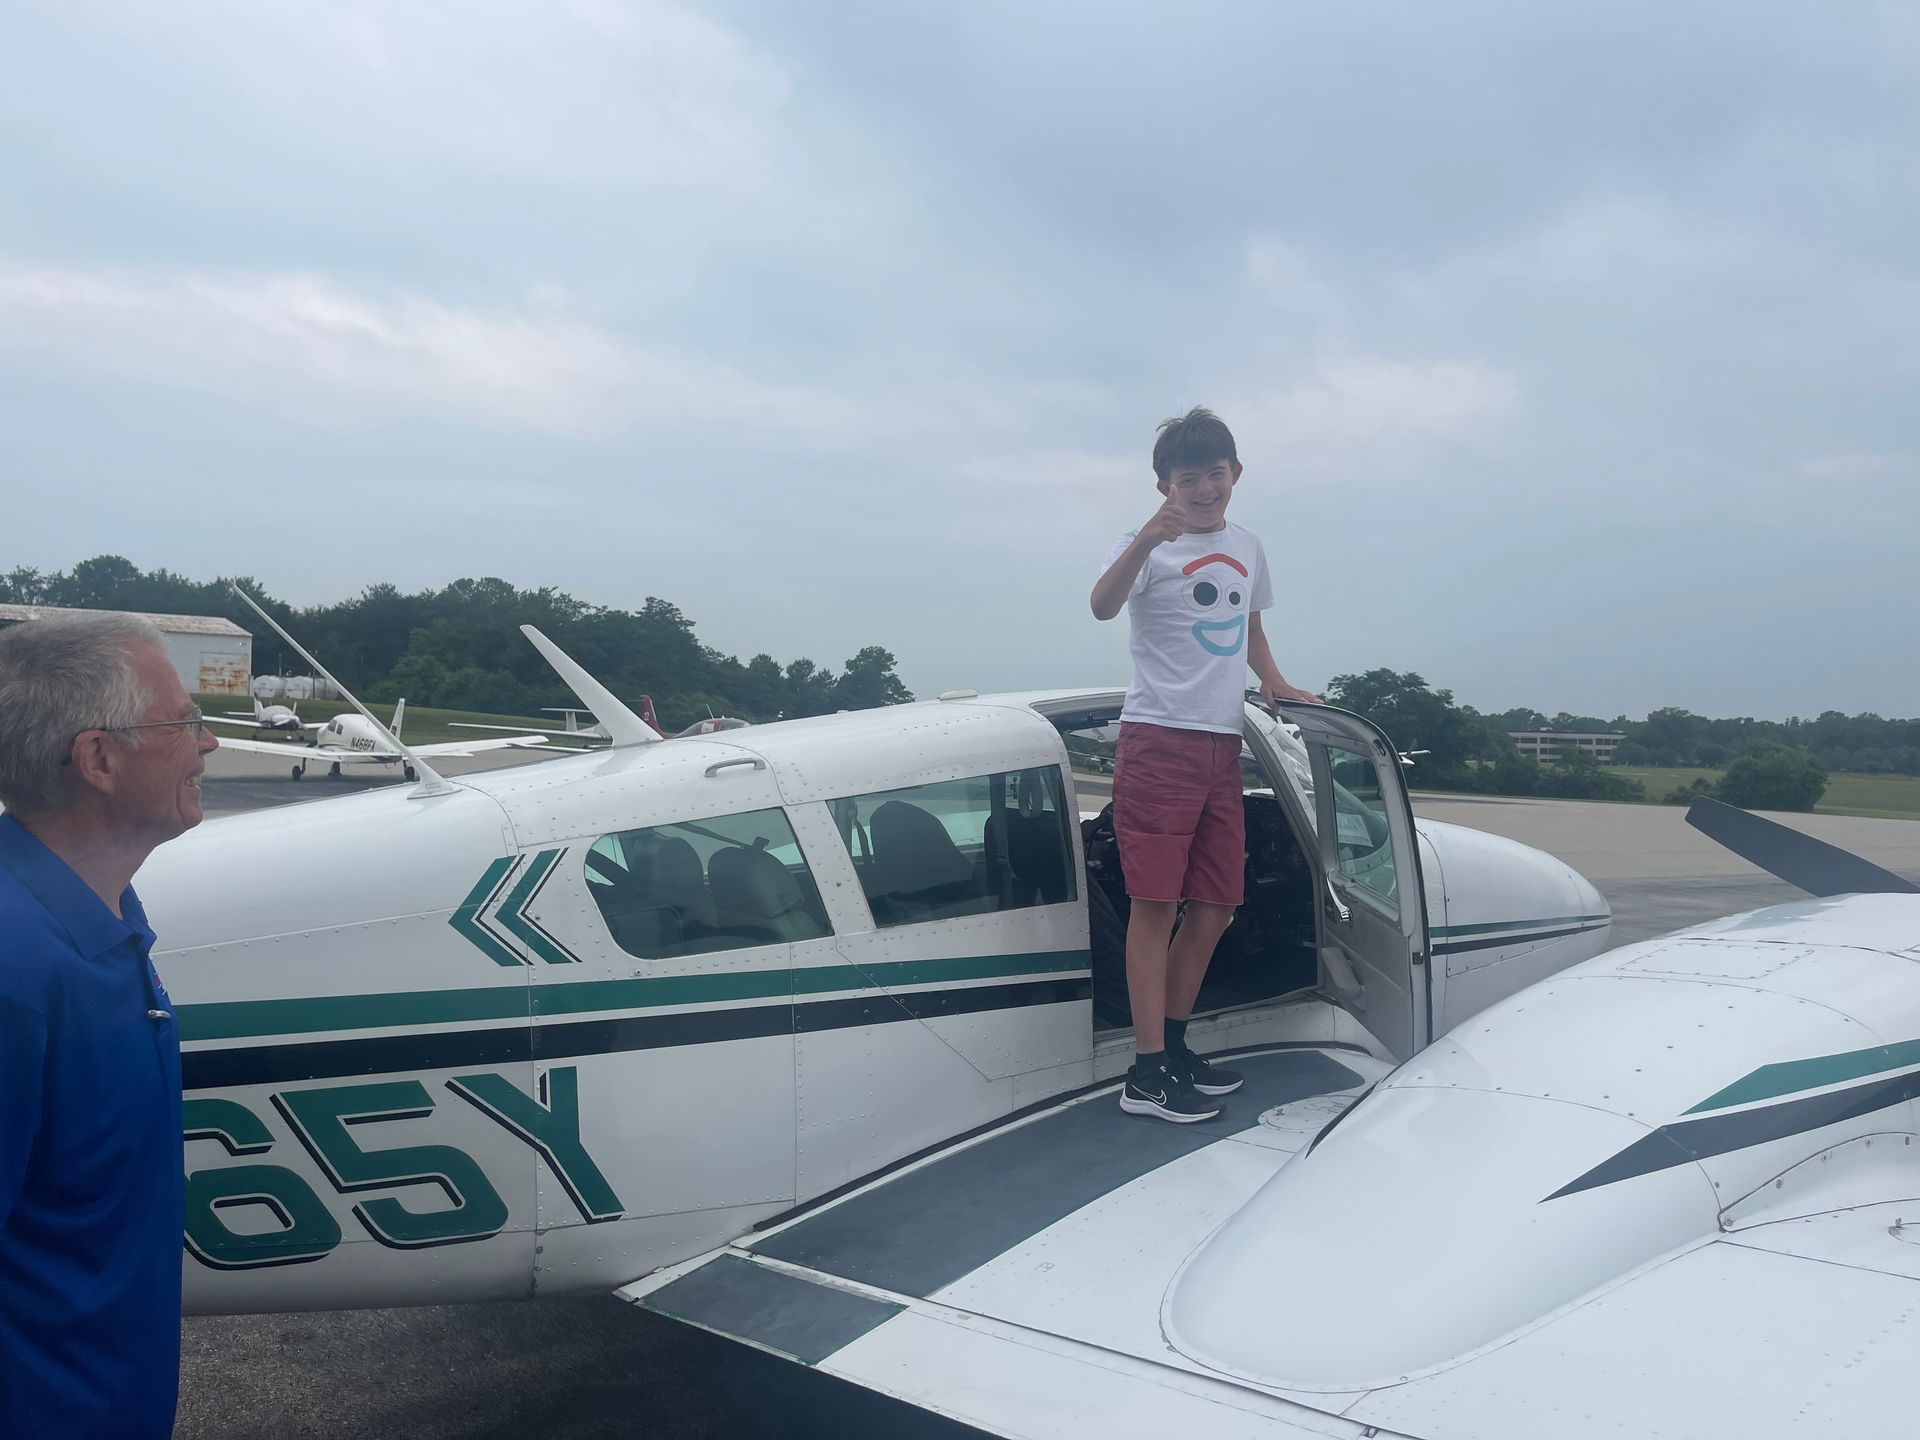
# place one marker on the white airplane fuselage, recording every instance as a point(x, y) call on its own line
point(353, 733)
point(430, 1072)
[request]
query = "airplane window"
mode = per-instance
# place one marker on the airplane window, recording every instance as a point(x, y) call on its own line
point(961, 847)
point(1363, 845)
point(705, 885)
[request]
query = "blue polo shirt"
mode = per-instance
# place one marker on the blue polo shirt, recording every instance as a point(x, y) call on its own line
point(90, 1160)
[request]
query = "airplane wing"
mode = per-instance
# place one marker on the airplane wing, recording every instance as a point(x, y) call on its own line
point(310, 754)
point(523, 731)
point(247, 722)
point(1014, 1281)
point(471, 747)
point(1051, 1279)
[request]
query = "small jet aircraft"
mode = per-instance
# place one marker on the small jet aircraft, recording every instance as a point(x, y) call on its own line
point(359, 739)
point(808, 1035)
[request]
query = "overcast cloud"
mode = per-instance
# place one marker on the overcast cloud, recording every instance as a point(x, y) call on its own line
point(1572, 349)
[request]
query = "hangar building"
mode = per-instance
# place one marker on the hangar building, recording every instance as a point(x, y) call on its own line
point(213, 656)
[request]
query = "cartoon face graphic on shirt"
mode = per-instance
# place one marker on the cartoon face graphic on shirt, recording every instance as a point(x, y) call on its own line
point(1217, 587)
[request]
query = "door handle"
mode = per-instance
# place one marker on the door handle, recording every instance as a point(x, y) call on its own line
point(754, 760)
point(1341, 911)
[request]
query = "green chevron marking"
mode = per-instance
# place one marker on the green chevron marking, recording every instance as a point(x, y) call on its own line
point(466, 917)
point(512, 915)
point(1787, 1077)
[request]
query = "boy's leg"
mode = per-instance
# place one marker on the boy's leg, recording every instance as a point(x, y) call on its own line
point(1161, 778)
point(1148, 971)
point(1190, 954)
point(1215, 882)
point(1156, 1084)
point(1159, 789)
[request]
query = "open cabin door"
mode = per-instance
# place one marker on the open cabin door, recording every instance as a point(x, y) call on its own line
point(1373, 923)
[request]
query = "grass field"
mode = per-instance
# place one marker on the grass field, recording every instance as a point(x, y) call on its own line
point(423, 725)
point(1884, 797)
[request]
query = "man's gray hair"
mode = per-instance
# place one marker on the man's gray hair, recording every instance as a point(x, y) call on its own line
point(61, 674)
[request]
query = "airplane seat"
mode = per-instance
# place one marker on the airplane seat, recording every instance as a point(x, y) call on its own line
point(754, 894)
point(916, 865)
point(1000, 878)
point(681, 884)
point(1029, 857)
point(661, 903)
point(1037, 848)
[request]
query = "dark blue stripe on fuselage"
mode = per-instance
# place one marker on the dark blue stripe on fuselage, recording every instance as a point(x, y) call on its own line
point(503, 1045)
point(1495, 942)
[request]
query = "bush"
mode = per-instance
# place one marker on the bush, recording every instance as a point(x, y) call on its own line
point(1773, 777)
point(1573, 782)
point(1688, 793)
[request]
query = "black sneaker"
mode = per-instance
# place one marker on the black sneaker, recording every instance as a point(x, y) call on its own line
point(1203, 1075)
point(1162, 1093)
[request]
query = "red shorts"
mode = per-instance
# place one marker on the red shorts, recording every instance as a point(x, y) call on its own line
point(1177, 814)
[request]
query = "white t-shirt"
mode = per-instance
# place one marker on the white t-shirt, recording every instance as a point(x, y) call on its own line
point(1187, 614)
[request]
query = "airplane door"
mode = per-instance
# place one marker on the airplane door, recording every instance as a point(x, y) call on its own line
point(1373, 925)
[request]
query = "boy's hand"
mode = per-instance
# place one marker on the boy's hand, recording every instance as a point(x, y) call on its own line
point(1169, 522)
point(1272, 690)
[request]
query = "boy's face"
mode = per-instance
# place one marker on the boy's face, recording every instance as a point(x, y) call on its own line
point(1204, 490)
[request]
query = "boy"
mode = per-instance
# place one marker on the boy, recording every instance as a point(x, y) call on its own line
point(1194, 586)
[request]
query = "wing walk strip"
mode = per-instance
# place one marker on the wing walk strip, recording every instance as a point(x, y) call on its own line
point(916, 1233)
point(882, 994)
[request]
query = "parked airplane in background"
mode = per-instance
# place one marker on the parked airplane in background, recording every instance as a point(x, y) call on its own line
point(270, 717)
point(1472, 1187)
point(352, 739)
point(711, 725)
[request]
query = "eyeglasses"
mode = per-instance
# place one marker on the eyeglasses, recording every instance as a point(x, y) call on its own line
point(195, 722)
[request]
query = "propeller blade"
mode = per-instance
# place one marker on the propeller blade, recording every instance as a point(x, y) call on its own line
point(1813, 865)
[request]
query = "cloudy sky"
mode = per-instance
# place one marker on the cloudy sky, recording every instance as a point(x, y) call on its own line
point(1573, 350)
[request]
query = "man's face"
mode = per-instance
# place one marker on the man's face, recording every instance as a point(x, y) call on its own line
point(1204, 490)
point(157, 783)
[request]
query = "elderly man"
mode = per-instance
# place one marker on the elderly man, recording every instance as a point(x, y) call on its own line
point(101, 751)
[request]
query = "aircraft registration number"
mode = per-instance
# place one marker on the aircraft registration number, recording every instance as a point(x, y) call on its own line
point(325, 1121)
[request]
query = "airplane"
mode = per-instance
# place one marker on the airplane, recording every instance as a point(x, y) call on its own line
point(806, 1035)
point(351, 739)
point(885, 912)
point(270, 717)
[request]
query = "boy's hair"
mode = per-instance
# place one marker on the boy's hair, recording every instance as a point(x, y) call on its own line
point(1198, 437)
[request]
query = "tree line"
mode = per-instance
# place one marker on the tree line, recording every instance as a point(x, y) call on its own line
point(460, 647)
point(1770, 764)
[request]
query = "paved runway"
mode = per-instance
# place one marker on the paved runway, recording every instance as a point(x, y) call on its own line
point(594, 1366)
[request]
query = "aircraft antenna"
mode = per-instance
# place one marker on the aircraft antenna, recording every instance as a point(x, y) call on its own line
point(432, 782)
point(623, 726)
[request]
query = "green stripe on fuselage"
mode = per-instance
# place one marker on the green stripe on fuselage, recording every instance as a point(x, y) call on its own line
point(1787, 1077)
point(240, 1019)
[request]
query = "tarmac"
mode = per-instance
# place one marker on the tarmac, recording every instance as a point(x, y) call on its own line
point(595, 1366)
